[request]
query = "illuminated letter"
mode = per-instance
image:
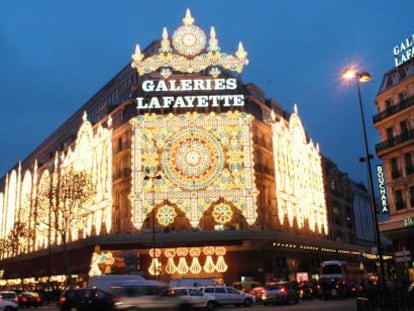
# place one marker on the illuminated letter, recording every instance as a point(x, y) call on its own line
point(226, 99)
point(179, 102)
point(396, 50)
point(186, 85)
point(202, 101)
point(238, 100)
point(167, 101)
point(174, 87)
point(231, 84)
point(190, 101)
point(140, 103)
point(220, 84)
point(154, 103)
point(161, 86)
point(214, 99)
point(198, 85)
point(148, 86)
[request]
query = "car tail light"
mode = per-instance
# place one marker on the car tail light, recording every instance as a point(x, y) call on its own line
point(38, 299)
point(283, 290)
point(24, 299)
point(62, 299)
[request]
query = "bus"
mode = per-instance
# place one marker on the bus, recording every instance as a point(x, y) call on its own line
point(340, 270)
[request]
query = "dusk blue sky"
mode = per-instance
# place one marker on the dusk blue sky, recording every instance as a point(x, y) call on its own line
point(55, 55)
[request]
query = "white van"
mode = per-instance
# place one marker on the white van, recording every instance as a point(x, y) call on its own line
point(192, 282)
point(106, 282)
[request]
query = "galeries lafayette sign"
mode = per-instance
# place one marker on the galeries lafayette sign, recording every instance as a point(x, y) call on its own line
point(404, 51)
point(186, 93)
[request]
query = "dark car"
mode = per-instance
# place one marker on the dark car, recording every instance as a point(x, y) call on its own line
point(280, 292)
point(86, 299)
point(30, 299)
point(257, 292)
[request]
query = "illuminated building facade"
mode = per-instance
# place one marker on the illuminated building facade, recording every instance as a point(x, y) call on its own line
point(394, 123)
point(174, 168)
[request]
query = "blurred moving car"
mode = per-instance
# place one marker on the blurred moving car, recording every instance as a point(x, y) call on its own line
point(279, 292)
point(6, 305)
point(307, 290)
point(148, 295)
point(86, 299)
point(8, 295)
point(257, 292)
point(30, 299)
point(246, 286)
point(228, 295)
point(332, 289)
point(195, 296)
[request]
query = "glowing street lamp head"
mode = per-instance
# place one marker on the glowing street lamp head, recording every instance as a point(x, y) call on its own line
point(350, 73)
point(364, 77)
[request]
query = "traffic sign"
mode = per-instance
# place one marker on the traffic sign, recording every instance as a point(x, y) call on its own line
point(403, 253)
point(403, 259)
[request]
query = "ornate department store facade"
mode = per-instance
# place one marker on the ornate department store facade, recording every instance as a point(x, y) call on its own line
point(174, 169)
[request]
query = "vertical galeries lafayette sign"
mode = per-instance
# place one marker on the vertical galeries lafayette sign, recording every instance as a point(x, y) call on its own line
point(382, 189)
point(404, 51)
point(153, 88)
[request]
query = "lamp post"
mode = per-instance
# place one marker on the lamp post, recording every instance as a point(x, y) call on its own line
point(359, 77)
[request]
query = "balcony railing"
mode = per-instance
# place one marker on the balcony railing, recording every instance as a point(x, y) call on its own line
point(409, 135)
point(408, 102)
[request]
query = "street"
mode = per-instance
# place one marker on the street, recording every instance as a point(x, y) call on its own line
point(316, 304)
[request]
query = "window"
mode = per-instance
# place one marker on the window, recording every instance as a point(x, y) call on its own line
point(403, 72)
point(337, 216)
point(412, 196)
point(404, 128)
point(395, 171)
point(390, 133)
point(399, 201)
point(402, 96)
point(409, 168)
point(388, 103)
point(220, 290)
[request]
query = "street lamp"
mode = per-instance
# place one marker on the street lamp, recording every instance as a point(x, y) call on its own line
point(359, 77)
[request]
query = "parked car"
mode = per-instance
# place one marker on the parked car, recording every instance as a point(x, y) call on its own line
point(279, 292)
point(228, 295)
point(86, 299)
point(148, 295)
point(195, 296)
point(6, 305)
point(257, 292)
point(9, 296)
point(30, 299)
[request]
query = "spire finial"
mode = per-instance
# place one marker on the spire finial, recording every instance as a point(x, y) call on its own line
point(188, 19)
point(165, 42)
point(241, 53)
point(213, 42)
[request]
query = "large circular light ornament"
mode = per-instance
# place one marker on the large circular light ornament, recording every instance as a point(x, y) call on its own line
point(193, 159)
point(189, 40)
